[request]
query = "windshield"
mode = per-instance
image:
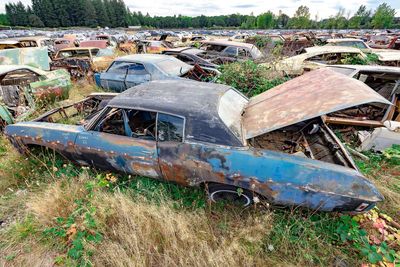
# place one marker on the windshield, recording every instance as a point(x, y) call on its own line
point(230, 107)
point(173, 67)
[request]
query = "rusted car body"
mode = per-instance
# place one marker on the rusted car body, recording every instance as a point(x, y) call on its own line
point(62, 43)
point(82, 61)
point(22, 88)
point(191, 56)
point(317, 57)
point(128, 71)
point(372, 116)
point(9, 44)
point(274, 145)
point(220, 51)
point(384, 42)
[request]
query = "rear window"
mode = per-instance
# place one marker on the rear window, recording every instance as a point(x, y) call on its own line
point(230, 108)
point(173, 67)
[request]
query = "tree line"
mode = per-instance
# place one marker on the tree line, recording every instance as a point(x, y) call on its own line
point(114, 13)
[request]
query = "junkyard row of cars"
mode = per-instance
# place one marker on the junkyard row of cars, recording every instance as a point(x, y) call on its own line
point(165, 116)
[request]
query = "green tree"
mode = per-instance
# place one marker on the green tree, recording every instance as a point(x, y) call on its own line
point(4, 20)
point(265, 20)
point(35, 21)
point(301, 19)
point(361, 18)
point(101, 14)
point(383, 17)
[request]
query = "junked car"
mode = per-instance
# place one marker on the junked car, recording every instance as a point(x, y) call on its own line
point(273, 146)
point(317, 57)
point(191, 56)
point(372, 125)
point(22, 87)
point(82, 61)
point(220, 51)
point(128, 71)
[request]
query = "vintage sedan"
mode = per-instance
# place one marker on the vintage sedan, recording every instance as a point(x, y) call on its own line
point(274, 145)
point(132, 70)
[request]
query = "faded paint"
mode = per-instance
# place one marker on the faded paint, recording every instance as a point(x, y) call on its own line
point(311, 95)
point(281, 178)
point(32, 56)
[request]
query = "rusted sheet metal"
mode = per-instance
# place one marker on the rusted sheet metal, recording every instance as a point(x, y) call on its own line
point(22, 87)
point(102, 44)
point(311, 95)
point(282, 178)
point(32, 56)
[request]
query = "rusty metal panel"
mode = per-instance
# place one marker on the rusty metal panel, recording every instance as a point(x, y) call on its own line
point(94, 43)
point(33, 56)
point(314, 94)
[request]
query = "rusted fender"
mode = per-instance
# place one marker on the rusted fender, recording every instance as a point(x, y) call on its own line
point(284, 179)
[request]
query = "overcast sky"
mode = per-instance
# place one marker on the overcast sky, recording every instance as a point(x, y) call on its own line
point(321, 8)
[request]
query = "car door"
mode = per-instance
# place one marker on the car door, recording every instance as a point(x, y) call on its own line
point(114, 143)
point(175, 156)
point(114, 78)
point(137, 74)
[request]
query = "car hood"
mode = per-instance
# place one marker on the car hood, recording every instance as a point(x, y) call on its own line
point(311, 95)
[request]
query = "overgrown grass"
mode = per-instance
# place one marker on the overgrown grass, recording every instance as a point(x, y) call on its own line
point(78, 216)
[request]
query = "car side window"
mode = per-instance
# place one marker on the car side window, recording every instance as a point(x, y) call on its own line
point(137, 69)
point(231, 51)
point(128, 122)
point(242, 52)
point(118, 67)
point(169, 128)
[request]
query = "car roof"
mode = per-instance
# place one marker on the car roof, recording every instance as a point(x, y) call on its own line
point(185, 50)
point(181, 97)
point(144, 58)
point(338, 40)
point(229, 43)
point(77, 48)
point(332, 49)
point(196, 101)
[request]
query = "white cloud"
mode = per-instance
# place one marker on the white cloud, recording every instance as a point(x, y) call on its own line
point(322, 8)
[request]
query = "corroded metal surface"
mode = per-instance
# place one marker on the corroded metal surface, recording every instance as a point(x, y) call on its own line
point(313, 94)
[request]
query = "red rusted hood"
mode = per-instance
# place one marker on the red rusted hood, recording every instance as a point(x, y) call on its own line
point(311, 95)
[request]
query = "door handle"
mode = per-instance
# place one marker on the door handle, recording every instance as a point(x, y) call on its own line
point(147, 152)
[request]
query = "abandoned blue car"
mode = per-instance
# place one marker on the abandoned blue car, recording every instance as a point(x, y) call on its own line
point(275, 146)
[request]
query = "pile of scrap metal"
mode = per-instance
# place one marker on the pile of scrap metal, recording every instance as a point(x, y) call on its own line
point(24, 88)
point(128, 71)
point(371, 125)
point(291, 44)
point(82, 62)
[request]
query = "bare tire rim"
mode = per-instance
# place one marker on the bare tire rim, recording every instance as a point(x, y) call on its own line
point(230, 196)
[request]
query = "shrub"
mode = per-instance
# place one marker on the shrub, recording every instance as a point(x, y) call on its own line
point(249, 78)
